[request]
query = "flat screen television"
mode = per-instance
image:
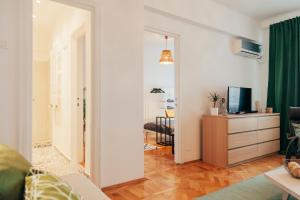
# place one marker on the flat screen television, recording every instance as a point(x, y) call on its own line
point(239, 100)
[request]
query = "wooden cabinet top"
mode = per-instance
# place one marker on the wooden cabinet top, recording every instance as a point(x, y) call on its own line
point(242, 115)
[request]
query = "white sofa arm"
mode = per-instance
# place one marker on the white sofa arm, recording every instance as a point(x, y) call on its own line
point(83, 186)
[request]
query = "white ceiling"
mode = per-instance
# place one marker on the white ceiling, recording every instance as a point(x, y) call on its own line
point(261, 9)
point(47, 15)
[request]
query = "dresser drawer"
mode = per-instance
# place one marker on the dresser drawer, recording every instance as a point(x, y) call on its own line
point(268, 134)
point(268, 122)
point(241, 154)
point(242, 124)
point(242, 139)
point(268, 147)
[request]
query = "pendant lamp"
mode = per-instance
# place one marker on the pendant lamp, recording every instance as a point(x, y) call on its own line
point(166, 55)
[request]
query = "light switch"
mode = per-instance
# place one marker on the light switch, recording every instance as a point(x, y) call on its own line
point(3, 44)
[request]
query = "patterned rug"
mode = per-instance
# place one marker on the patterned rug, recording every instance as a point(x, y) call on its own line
point(149, 147)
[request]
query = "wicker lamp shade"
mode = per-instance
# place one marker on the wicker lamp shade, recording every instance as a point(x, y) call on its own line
point(166, 55)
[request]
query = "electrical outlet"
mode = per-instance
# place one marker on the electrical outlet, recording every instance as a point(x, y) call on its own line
point(3, 44)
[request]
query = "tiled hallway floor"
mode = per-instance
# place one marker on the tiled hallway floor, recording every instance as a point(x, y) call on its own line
point(50, 159)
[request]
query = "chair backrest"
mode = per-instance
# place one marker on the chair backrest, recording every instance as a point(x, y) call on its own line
point(294, 119)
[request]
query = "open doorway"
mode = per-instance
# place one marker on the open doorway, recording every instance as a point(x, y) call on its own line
point(61, 82)
point(160, 94)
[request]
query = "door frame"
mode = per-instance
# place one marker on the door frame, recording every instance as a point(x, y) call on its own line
point(82, 31)
point(25, 81)
point(178, 129)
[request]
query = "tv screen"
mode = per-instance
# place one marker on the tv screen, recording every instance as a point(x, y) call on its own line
point(239, 100)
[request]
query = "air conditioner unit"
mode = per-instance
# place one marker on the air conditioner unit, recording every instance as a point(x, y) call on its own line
point(247, 48)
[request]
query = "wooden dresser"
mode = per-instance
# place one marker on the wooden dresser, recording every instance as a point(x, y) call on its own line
point(233, 139)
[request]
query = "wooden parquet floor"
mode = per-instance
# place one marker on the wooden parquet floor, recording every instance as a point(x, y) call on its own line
point(164, 180)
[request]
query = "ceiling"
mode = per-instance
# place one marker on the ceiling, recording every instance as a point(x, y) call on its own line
point(47, 13)
point(261, 9)
point(47, 16)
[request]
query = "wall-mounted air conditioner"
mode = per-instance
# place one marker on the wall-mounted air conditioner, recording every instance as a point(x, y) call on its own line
point(247, 48)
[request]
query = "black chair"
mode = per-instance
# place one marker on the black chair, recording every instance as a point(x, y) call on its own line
point(294, 122)
point(293, 137)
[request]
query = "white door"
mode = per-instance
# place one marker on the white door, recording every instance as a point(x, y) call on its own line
point(56, 94)
point(81, 99)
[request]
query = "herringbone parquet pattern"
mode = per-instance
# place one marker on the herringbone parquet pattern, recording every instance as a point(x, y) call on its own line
point(166, 180)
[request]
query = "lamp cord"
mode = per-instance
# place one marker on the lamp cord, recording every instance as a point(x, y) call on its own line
point(166, 37)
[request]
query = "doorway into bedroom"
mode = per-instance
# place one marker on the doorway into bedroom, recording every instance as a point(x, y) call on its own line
point(61, 88)
point(159, 97)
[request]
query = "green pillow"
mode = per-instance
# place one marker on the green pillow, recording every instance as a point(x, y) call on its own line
point(45, 186)
point(11, 184)
point(9, 158)
point(13, 169)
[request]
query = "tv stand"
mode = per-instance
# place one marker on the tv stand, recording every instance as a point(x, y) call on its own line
point(233, 139)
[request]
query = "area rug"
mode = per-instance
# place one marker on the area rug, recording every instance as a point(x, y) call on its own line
point(257, 188)
point(149, 147)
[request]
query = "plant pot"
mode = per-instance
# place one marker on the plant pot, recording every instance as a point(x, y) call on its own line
point(214, 111)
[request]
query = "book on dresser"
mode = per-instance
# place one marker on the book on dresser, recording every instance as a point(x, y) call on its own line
point(234, 139)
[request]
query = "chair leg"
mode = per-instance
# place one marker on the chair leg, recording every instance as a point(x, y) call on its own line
point(147, 136)
point(173, 144)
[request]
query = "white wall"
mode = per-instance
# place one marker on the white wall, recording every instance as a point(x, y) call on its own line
point(156, 75)
point(264, 69)
point(272, 20)
point(9, 77)
point(41, 115)
point(41, 129)
point(122, 91)
point(207, 64)
point(209, 14)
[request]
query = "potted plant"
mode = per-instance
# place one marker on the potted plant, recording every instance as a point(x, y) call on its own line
point(214, 98)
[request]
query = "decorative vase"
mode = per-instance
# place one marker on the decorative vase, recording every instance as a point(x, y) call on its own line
point(269, 110)
point(214, 111)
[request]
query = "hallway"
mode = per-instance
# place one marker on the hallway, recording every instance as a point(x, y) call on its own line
point(48, 158)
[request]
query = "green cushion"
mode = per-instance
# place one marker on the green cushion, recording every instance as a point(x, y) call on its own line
point(11, 184)
point(13, 169)
point(43, 186)
point(9, 158)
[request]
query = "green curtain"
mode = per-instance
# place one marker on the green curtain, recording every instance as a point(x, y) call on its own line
point(284, 71)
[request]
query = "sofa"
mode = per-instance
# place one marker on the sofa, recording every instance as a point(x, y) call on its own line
point(19, 180)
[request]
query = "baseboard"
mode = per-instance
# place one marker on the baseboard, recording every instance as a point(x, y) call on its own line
point(45, 143)
point(252, 159)
point(190, 162)
point(123, 184)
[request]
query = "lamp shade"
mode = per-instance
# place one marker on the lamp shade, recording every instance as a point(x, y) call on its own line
point(166, 57)
point(157, 90)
